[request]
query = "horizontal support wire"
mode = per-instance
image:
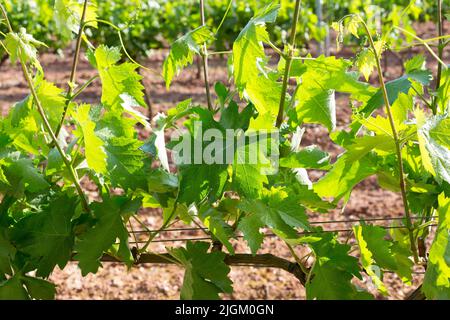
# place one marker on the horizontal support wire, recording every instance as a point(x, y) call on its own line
point(312, 223)
point(249, 260)
point(267, 235)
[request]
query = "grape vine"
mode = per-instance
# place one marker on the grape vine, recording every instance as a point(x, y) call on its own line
point(53, 144)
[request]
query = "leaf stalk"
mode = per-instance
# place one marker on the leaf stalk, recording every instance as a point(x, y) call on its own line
point(440, 53)
point(73, 71)
point(287, 67)
point(398, 147)
point(204, 55)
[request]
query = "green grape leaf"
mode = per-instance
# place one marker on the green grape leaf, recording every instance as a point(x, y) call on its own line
point(159, 141)
point(347, 171)
point(173, 210)
point(276, 209)
point(441, 133)
point(199, 181)
point(180, 110)
point(55, 163)
point(316, 92)
point(401, 254)
point(47, 237)
point(22, 176)
point(366, 62)
point(298, 68)
point(367, 257)
point(21, 111)
point(67, 16)
point(22, 46)
point(52, 101)
point(125, 161)
point(93, 146)
point(310, 157)
point(435, 156)
point(26, 118)
point(379, 247)
point(201, 177)
point(319, 106)
point(329, 249)
point(183, 50)
point(417, 62)
point(400, 109)
point(102, 236)
point(443, 92)
point(206, 274)
point(111, 125)
point(353, 25)
point(250, 227)
point(128, 105)
point(13, 289)
point(436, 283)
point(333, 271)
point(265, 94)
point(7, 253)
point(249, 170)
point(214, 221)
point(231, 118)
point(308, 197)
point(331, 283)
point(118, 80)
point(39, 288)
point(382, 253)
point(161, 181)
point(248, 51)
point(394, 88)
point(221, 92)
point(381, 143)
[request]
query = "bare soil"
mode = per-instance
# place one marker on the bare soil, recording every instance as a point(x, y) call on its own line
point(114, 281)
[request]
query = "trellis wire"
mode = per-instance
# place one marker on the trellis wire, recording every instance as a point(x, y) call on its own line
point(312, 223)
point(267, 235)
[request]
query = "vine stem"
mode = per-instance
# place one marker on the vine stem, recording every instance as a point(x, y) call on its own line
point(84, 86)
point(266, 260)
point(73, 72)
point(296, 258)
point(134, 235)
point(46, 123)
point(230, 3)
point(425, 44)
point(287, 67)
point(398, 147)
point(220, 52)
point(5, 15)
point(415, 44)
point(122, 44)
point(422, 98)
point(204, 55)
point(310, 273)
point(440, 53)
point(165, 224)
point(276, 49)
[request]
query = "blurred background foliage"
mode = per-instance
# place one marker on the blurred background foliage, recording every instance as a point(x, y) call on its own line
point(154, 24)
